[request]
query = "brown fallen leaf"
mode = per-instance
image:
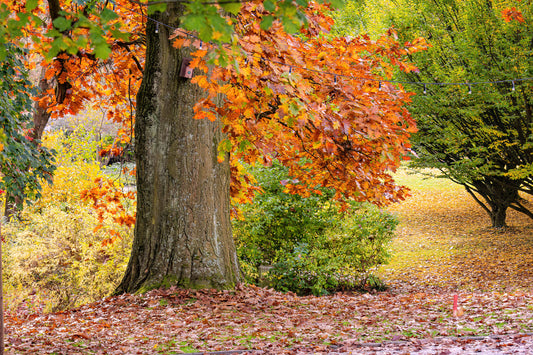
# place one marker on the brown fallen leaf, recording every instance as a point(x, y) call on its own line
point(459, 312)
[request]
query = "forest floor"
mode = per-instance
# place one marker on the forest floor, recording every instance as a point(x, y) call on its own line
point(443, 249)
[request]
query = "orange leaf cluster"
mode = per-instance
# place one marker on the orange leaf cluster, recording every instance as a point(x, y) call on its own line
point(512, 14)
point(108, 200)
point(78, 79)
point(315, 103)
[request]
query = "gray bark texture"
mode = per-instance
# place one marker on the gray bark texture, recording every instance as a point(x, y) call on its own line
point(183, 230)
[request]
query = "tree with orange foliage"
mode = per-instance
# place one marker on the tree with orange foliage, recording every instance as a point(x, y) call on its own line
point(82, 54)
point(316, 103)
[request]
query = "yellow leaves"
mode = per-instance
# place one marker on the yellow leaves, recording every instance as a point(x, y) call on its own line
point(444, 242)
point(201, 80)
point(217, 35)
point(321, 55)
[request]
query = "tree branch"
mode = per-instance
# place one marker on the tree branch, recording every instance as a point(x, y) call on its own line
point(478, 200)
point(189, 2)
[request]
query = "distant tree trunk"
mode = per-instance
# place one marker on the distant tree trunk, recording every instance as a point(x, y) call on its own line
point(499, 194)
point(41, 116)
point(498, 216)
point(183, 231)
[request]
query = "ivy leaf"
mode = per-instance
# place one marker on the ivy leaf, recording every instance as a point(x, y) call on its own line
point(266, 23)
point(62, 24)
point(232, 7)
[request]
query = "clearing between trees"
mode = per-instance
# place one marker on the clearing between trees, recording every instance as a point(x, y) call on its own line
point(443, 248)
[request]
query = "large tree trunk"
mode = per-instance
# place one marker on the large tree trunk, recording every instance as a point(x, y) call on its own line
point(183, 231)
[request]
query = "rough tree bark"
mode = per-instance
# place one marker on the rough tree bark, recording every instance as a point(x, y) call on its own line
point(183, 231)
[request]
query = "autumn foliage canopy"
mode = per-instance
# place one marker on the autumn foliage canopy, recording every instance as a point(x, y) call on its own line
point(319, 104)
point(316, 103)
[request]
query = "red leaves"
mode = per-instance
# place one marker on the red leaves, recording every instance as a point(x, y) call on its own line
point(255, 318)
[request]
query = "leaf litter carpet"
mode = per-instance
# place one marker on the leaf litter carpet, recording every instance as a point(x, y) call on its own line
point(443, 249)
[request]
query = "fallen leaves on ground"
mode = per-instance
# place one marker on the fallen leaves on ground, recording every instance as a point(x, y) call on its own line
point(175, 320)
point(444, 243)
point(442, 249)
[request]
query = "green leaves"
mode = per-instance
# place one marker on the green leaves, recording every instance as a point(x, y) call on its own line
point(31, 5)
point(70, 33)
point(62, 24)
point(23, 165)
point(269, 5)
point(207, 22)
point(232, 7)
point(211, 25)
point(107, 15)
point(153, 8)
point(266, 22)
point(478, 139)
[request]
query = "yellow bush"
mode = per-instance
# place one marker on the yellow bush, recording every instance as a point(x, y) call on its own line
point(53, 252)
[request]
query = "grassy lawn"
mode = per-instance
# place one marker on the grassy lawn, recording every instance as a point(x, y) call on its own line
point(444, 242)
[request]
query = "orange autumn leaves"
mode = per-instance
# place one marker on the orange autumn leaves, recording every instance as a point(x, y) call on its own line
point(110, 201)
point(77, 76)
point(315, 102)
point(512, 14)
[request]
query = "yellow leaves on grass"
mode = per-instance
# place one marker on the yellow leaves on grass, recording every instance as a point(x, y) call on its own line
point(444, 243)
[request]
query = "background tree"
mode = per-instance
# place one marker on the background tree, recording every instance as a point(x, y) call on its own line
point(479, 136)
point(23, 164)
point(65, 44)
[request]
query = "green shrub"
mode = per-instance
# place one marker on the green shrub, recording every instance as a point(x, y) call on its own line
point(313, 247)
point(276, 221)
point(342, 258)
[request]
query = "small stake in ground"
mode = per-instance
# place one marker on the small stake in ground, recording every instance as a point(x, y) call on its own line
point(457, 310)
